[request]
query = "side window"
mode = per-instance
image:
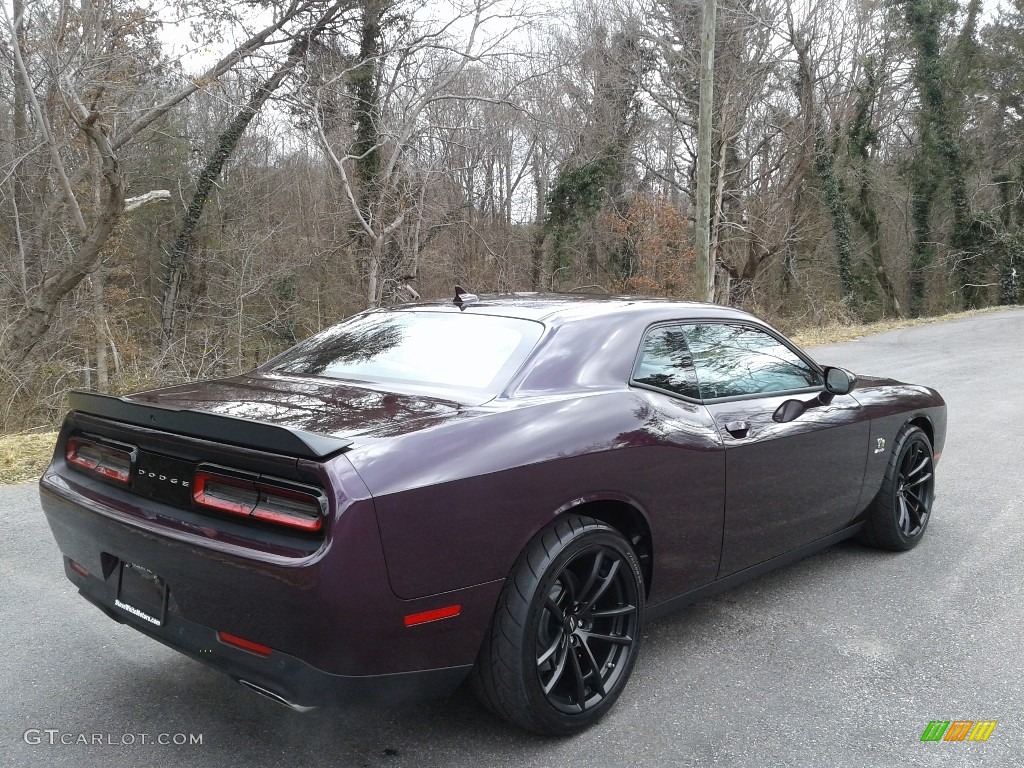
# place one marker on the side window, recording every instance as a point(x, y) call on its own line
point(665, 362)
point(739, 360)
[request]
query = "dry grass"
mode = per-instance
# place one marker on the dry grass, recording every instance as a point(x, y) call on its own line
point(23, 457)
point(833, 334)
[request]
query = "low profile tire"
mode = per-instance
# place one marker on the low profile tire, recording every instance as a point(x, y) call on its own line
point(567, 629)
point(900, 512)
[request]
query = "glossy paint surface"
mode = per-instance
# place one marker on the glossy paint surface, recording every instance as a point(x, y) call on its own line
point(788, 484)
point(439, 493)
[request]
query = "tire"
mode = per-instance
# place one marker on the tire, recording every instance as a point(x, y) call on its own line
point(899, 514)
point(566, 631)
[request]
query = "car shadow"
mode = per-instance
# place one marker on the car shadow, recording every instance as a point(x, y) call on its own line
point(163, 692)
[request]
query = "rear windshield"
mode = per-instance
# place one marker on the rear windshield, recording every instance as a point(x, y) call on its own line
point(420, 349)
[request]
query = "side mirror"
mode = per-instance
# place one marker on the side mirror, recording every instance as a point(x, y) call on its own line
point(839, 381)
point(788, 411)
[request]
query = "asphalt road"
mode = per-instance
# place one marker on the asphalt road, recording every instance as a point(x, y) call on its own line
point(839, 660)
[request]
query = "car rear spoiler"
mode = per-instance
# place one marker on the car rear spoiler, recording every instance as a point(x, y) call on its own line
point(273, 438)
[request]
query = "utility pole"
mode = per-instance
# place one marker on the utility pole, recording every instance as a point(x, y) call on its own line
point(705, 269)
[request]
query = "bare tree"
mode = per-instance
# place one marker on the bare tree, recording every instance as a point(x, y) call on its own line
point(415, 69)
point(86, 70)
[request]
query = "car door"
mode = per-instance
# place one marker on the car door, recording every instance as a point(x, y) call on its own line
point(787, 484)
point(690, 478)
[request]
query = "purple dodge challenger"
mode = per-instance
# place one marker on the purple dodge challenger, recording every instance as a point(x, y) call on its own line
point(499, 488)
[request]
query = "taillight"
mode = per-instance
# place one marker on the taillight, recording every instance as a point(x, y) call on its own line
point(235, 496)
point(260, 498)
point(112, 462)
point(286, 507)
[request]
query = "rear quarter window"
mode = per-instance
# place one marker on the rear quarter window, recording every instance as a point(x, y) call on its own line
point(665, 362)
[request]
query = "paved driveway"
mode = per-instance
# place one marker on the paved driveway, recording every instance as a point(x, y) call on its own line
point(840, 660)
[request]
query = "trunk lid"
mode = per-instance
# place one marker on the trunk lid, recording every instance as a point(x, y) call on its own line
point(336, 408)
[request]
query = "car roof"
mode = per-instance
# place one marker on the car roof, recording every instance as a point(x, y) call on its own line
point(546, 307)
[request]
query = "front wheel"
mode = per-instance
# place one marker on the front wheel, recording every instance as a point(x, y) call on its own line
point(900, 512)
point(567, 629)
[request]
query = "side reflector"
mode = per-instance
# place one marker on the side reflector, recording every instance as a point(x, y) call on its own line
point(435, 615)
point(107, 461)
point(245, 645)
point(79, 569)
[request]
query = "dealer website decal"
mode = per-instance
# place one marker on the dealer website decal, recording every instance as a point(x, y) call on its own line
point(959, 730)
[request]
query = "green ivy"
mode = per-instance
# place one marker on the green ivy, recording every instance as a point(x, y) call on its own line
point(939, 158)
point(577, 195)
point(825, 167)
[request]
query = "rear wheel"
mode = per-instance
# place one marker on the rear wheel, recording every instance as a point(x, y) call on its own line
point(567, 629)
point(900, 512)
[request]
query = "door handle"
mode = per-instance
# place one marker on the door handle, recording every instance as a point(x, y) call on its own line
point(737, 428)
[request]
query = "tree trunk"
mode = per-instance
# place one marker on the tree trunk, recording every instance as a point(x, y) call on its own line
point(702, 223)
point(227, 142)
point(19, 119)
point(824, 159)
point(939, 152)
point(862, 137)
point(367, 95)
point(868, 219)
point(923, 188)
point(99, 318)
point(716, 217)
point(28, 328)
point(539, 230)
point(373, 273)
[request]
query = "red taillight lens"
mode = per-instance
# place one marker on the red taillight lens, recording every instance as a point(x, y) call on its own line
point(107, 461)
point(287, 507)
point(232, 495)
point(260, 499)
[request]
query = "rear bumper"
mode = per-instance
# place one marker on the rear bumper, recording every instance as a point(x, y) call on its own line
point(334, 628)
point(285, 678)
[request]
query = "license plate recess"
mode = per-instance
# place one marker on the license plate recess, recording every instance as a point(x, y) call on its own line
point(141, 593)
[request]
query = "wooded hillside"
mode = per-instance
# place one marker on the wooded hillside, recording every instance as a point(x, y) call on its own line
point(160, 220)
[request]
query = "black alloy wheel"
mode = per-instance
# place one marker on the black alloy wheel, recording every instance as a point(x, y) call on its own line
point(567, 630)
point(900, 512)
point(586, 630)
point(915, 486)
